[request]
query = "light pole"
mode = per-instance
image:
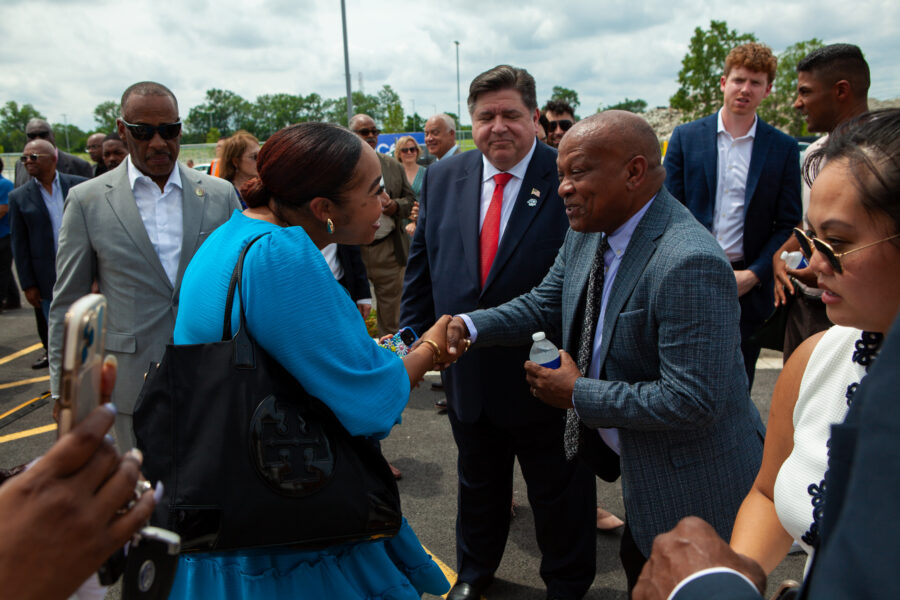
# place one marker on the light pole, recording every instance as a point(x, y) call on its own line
point(66, 125)
point(346, 64)
point(458, 113)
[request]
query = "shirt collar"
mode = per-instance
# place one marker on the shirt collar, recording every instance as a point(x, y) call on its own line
point(618, 241)
point(53, 186)
point(720, 126)
point(517, 171)
point(134, 175)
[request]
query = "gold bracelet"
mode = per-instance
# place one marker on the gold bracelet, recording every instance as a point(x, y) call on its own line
point(434, 348)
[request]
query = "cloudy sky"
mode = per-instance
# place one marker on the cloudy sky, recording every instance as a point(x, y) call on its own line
point(67, 56)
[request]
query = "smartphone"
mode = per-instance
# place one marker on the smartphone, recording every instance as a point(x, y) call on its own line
point(400, 342)
point(84, 340)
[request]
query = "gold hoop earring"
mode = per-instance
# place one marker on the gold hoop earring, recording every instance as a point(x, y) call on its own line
point(329, 225)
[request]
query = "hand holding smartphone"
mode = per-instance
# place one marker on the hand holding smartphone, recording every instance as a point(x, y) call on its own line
point(84, 340)
point(400, 342)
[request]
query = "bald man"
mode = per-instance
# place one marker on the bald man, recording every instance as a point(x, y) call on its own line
point(647, 306)
point(94, 146)
point(39, 129)
point(35, 211)
point(440, 136)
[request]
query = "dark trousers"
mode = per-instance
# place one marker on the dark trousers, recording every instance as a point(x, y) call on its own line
point(8, 291)
point(561, 493)
point(632, 559)
point(42, 326)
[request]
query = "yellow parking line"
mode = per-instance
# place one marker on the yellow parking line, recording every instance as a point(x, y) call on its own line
point(22, 352)
point(449, 573)
point(23, 405)
point(24, 382)
point(27, 433)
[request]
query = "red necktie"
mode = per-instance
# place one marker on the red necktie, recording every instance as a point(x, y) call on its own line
point(490, 229)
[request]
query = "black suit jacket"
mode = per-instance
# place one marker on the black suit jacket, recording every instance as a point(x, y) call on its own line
point(354, 280)
point(859, 549)
point(32, 234)
point(442, 276)
point(65, 163)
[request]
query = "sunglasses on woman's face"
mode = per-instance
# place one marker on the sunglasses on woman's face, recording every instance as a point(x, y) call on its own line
point(564, 125)
point(409, 150)
point(143, 132)
point(808, 241)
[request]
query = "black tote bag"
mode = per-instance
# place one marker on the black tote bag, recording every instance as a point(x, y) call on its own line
point(248, 458)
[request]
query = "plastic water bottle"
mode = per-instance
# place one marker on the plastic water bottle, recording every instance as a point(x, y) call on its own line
point(794, 260)
point(543, 352)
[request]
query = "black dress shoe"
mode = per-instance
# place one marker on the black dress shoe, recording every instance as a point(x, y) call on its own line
point(42, 363)
point(465, 591)
point(441, 405)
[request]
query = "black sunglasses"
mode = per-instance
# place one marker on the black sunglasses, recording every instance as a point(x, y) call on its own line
point(34, 135)
point(409, 150)
point(143, 132)
point(808, 241)
point(366, 132)
point(564, 125)
point(33, 156)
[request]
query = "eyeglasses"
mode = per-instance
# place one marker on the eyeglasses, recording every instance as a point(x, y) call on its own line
point(33, 156)
point(38, 135)
point(808, 241)
point(366, 132)
point(564, 125)
point(143, 132)
point(409, 150)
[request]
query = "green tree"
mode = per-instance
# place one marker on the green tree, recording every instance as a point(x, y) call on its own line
point(362, 104)
point(413, 122)
point(69, 137)
point(391, 109)
point(213, 135)
point(272, 112)
point(13, 120)
point(702, 67)
point(566, 95)
point(635, 106)
point(223, 110)
point(778, 108)
point(105, 115)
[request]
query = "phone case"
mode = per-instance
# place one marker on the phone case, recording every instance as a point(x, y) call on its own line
point(84, 340)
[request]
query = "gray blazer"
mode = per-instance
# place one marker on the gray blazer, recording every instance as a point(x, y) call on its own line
point(103, 236)
point(672, 378)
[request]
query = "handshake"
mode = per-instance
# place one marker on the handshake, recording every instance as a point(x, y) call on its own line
point(447, 339)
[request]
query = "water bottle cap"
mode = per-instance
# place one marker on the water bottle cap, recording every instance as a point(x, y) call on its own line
point(538, 336)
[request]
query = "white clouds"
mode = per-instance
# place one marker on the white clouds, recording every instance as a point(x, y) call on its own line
point(68, 56)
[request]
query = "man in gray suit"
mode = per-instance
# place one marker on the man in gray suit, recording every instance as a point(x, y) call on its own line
point(646, 299)
point(39, 129)
point(134, 229)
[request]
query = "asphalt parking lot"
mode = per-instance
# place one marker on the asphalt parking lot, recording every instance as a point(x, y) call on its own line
point(421, 447)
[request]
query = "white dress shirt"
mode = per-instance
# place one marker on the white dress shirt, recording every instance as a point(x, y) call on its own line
point(618, 243)
point(162, 214)
point(731, 184)
point(54, 203)
point(510, 190)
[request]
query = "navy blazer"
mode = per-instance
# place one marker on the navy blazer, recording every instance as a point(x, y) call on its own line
point(355, 279)
point(772, 206)
point(858, 551)
point(32, 234)
point(442, 276)
point(671, 380)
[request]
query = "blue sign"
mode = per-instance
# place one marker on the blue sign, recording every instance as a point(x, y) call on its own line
point(386, 141)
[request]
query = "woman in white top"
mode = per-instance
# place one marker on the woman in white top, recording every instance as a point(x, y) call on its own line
point(854, 249)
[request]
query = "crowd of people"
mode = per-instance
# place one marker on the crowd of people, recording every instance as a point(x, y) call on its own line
point(652, 274)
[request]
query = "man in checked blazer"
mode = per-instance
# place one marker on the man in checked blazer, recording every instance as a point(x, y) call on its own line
point(134, 230)
point(665, 386)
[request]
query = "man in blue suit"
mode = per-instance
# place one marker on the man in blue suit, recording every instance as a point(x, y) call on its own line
point(858, 551)
point(644, 297)
point(740, 177)
point(35, 211)
point(490, 223)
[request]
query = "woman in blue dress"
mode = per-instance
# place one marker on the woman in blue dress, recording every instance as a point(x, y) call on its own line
point(317, 184)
